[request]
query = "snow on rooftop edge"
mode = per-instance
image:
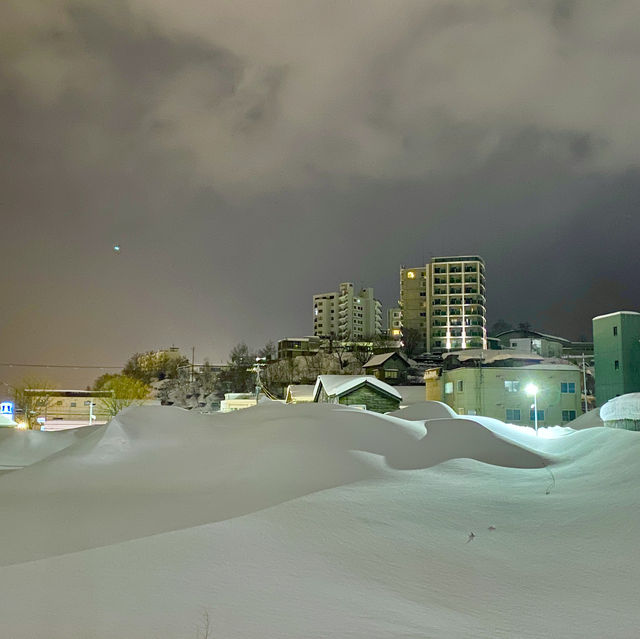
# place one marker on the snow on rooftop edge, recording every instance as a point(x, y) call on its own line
point(339, 384)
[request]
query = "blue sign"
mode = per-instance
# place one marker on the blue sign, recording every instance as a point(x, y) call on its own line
point(6, 408)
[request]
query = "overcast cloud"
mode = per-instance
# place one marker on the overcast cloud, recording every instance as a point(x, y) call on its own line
point(247, 155)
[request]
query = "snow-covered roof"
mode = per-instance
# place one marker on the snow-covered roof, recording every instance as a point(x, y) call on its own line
point(337, 385)
point(551, 366)
point(616, 313)
point(378, 360)
point(300, 391)
point(623, 407)
point(555, 338)
point(489, 356)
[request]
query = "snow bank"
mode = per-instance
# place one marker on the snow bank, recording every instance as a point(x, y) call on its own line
point(425, 410)
point(622, 412)
point(19, 448)
point(322, 521)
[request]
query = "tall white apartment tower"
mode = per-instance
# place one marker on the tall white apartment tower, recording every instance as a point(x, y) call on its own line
point(443, 304)
point(347, 314)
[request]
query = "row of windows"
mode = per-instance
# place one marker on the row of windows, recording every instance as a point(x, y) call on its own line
point(510, 385)
point(74, 404)
point(514, 415)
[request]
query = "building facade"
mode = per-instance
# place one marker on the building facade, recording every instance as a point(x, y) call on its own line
point(443, 304)
point(616, 344)
point(394, 323)
point(347, 314)
point(492, 384)
point(294, 346)
point(362, 391)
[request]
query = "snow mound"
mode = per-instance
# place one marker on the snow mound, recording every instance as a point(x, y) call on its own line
point(591, 419)
point(625, 407)
point(425, 410)
point(322, 521)
point(154, 469)
point(19, 448)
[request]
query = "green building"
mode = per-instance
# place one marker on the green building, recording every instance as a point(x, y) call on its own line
point(493, 383)
point(616, 343)
point(364, 391)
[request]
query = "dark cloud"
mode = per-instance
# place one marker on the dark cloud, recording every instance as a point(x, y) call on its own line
point(247, 155)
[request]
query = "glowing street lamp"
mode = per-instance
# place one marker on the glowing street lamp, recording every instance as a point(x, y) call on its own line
point(532, 389)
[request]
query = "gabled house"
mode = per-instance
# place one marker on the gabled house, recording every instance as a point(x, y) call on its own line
point(357, 390)
point(389, 367)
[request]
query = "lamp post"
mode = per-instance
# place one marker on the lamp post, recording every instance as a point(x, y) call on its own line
point(532, 389)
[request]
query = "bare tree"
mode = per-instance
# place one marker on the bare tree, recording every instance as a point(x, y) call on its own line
point(411, 340)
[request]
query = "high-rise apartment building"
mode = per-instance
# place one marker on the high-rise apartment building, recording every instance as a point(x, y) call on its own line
point(346, 314)
point(443, 304)
point(616, 349)
point(394, 323)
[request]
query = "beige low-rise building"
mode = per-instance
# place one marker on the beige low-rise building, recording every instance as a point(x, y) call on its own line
point(493, 383)
point(299, 393)
point(69, 408)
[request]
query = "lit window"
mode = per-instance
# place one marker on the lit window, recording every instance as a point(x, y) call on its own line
point(448, 388)
point(511, 386)
point(411, 275)
point(567, 387)
point(513, 414)
point(391, 373)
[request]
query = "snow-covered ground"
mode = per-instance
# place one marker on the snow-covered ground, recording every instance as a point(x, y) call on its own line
point(309, 521)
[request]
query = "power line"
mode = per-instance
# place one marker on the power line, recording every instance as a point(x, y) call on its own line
point(11, 364)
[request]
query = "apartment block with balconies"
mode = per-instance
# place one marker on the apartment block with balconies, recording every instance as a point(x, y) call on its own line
point(347, 314)
point(445, 303)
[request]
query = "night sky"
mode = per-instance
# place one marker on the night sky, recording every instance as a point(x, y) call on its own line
point(245, 155)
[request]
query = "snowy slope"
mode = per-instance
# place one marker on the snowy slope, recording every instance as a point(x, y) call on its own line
point(320, 521)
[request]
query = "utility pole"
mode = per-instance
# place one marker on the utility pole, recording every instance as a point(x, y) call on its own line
point(193, 359)
point(584, 382)
point(260, 362)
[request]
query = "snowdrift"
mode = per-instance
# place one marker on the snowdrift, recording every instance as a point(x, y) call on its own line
point(320, 521)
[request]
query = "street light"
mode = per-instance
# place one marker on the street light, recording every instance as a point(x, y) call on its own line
point(532, 389)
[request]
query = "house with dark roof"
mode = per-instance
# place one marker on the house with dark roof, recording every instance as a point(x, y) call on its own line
point(389, 367)
point(364, 391)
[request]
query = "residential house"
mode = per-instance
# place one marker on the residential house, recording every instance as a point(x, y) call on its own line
point(389, 367)
point(364, 391)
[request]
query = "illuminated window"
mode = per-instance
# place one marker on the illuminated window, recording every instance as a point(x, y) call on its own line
point(448, 388)
point(511, 386)
point(411, 275)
